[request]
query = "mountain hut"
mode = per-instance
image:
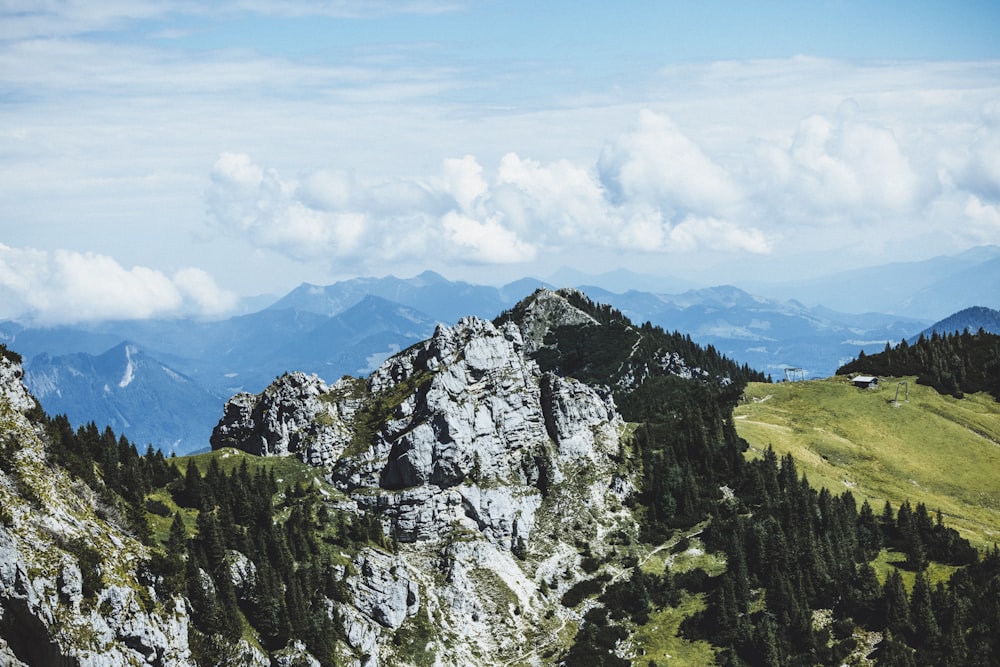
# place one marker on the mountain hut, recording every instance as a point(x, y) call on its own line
point(866, 382)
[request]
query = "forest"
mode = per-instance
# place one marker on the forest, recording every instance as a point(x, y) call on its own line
point(287, 533)
point(794, 554)
point(956, 363)
point(799, 585)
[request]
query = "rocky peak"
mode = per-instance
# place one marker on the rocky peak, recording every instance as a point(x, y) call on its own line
point(297, 414)
point(545, 310)
point(469, 455)
point(472, 434)
point(12, 389)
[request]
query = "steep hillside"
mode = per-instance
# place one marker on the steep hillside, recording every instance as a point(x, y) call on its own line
point(925, 448)
point(74, 589)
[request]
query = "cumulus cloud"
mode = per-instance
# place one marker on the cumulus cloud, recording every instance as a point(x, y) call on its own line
point(984, 220)
point(694, 233)
point(656, 163)
point(64, 286)
point(329, 214)
point(486, 242)
point(837, 170)
point(652, 190)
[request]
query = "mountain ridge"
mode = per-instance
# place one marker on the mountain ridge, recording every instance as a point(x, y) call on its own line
point(246, 352)
point(480, 497)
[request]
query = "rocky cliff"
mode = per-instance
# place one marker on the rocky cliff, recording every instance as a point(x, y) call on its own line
point(72, 583)
point(487, 473)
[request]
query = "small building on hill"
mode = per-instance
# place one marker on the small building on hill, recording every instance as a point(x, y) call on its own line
point(866, 382)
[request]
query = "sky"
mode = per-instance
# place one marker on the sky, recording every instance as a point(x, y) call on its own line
point(164, 159)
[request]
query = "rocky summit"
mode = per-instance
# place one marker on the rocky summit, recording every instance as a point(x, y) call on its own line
point(483, 470)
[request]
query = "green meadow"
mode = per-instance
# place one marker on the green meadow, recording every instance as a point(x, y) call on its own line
point(925, 447)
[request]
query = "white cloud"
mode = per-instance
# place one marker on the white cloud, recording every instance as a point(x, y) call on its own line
point(984, 221)
point(518, 212)
point(64, 286)
point(463, 179)
point(844, 168)
point(656, 163)
point(198, 289)
point(560, 202)
point(485, 242)
point(694, 233)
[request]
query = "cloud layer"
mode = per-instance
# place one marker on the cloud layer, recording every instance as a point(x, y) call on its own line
point(652, 190)
point(274, 143)
point(64, 287)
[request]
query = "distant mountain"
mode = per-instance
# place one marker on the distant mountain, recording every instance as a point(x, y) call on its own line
point(429, 292)
point(622, 280)
point(349, 327)
point(172, 394)
point(971, 319)
point(129, 390)
point(355, 341)
point(768, 334)
point(928, 289)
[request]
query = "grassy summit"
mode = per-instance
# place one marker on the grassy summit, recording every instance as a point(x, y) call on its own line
point(934, 449)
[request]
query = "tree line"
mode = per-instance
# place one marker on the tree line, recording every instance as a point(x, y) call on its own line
point(956, 363)
point(792, 550)
point(283, 540)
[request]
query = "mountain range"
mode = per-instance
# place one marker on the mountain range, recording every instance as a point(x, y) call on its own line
point(350, 327)
point(557, 486)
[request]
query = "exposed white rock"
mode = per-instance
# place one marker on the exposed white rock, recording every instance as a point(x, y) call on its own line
point(12, 389)
point(382, 588)
point(468, 454)
point(544, 311)
point(297, 414)
point(242, 572)
point(41, 588)
point(295, 655)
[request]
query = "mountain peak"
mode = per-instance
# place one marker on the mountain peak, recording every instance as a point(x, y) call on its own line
point(429, 277)
point(545, 310)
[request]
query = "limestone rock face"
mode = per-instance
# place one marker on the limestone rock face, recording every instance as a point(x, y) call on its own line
point(44, 617)
point(297, 414)
point(474, 437)
point(544, 311)
point(383, 589)
point(485, 473)
point(12, 389)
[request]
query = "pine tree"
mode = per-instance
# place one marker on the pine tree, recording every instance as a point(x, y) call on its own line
point(926, 633)
point(192, 493)
point(895, 605)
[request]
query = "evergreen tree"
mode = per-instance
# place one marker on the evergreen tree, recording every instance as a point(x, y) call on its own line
point(895, 605)
point(926, 634)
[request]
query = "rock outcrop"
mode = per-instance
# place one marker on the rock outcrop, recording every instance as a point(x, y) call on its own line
point(297, 414)
point(49, 526)
point(484, 470)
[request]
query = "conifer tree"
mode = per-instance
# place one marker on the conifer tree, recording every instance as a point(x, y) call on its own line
point(926, 633)
point(895, 605)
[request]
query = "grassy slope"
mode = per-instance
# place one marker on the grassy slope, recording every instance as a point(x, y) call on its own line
point(287, 470)
point(932, 449)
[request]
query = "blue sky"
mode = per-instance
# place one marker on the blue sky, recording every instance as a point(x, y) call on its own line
point(162, 159)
